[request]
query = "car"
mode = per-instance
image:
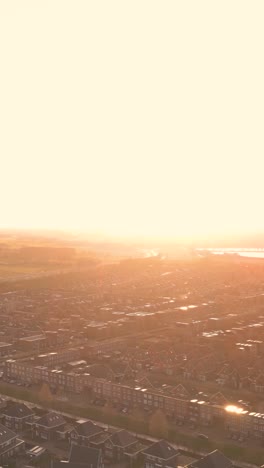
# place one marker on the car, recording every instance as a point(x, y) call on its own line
point(203, 436)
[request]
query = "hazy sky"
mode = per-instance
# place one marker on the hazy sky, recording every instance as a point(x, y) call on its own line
point(132, 117)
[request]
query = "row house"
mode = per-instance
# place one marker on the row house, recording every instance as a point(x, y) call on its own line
point(202, 412)
point(144, 398)
point(245, 423)
point(56, 379)
point(180, 409)
point(15, 369)
point(197, 412)
point(255, 425)
point(237, 422)
point(62, 356)
point(193, 411)
point(257, 384)
point(206, 414)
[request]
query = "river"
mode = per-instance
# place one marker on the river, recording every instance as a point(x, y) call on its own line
point(250, 252)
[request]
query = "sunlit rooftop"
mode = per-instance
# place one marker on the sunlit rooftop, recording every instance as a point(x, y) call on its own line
point(234, 409)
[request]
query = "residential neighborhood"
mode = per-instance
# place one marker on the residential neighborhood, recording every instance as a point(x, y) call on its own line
point(120, 345)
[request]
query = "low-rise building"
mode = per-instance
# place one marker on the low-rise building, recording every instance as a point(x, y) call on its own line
point(117, 444)
point(80, 457)
point(2, 403)
point(35, 343)
point(84, 431)
point(10, 444)
point(160, 455)
point(16, 416)
point(5, 349)
point(48, 426)
point(214, 459)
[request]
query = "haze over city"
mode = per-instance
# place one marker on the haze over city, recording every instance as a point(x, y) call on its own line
point(131, 234)
point(132, 118)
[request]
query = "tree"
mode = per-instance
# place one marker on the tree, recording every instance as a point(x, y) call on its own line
point(138, 414)
point(108, 409)
point(158, 425)
point(45, 394)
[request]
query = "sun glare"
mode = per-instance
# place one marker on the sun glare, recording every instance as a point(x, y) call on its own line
point(130, 134)
point(234, 409)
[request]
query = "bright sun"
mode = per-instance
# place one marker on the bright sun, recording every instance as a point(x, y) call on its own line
point(132, 119)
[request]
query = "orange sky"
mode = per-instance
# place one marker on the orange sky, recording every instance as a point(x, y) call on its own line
point(131, 118)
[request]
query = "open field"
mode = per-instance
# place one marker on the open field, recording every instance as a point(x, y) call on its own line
point(9, 271)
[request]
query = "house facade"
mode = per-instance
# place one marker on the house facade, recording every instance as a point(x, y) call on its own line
point(117, 444)
point(10, 444)
point(17, 416)
point(160, 455)
point(83, 432)
point(48, 427)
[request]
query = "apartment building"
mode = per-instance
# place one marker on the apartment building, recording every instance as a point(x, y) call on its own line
point(32, 344)
point(59, 357)
point(196, 411)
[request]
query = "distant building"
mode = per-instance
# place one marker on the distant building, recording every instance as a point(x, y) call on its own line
point(2, 403)
point(33, 343)
point(5, 349)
